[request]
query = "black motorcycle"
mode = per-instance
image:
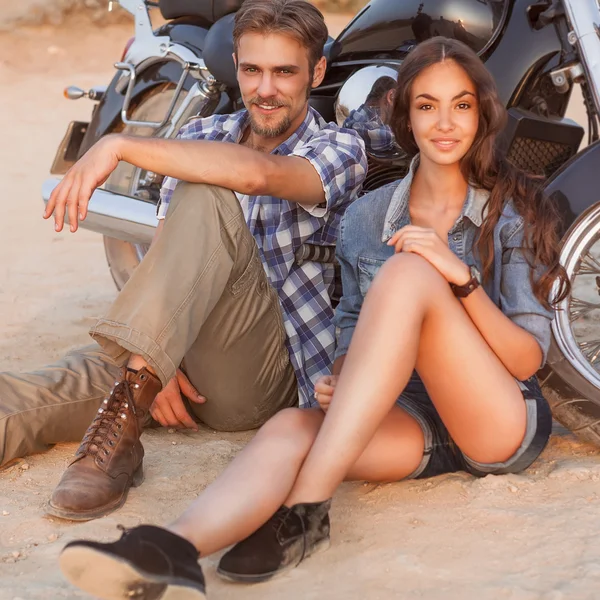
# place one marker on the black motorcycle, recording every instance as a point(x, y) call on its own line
point(536, 49)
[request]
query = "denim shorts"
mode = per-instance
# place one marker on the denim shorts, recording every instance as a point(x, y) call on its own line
point(442, 455)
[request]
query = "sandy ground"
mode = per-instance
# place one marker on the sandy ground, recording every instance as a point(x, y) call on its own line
point(525, 537)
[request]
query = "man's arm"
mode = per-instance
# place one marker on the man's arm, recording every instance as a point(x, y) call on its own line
point(227, 165)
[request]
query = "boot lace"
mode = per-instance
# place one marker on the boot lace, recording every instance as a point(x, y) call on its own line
point(105, 430)
point(280, 518)
point(278, 522)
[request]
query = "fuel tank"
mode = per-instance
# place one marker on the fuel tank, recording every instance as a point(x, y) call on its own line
point(393, 27)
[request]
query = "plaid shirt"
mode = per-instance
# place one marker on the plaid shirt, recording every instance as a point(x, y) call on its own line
point(280, 227)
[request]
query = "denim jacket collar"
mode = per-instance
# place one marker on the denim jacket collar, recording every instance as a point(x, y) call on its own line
point(398, 215)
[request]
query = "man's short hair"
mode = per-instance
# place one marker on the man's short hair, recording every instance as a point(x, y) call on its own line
point(297, 18)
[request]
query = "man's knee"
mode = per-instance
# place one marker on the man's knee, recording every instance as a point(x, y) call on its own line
point(199, 197)
point(225, 416)
point(230, 417)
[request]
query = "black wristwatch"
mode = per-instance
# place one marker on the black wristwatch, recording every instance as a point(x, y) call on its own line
point(462, 291)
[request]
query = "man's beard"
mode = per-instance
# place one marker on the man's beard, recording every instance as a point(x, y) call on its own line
point(278, 128)
point(272, 131)
point(269, 131)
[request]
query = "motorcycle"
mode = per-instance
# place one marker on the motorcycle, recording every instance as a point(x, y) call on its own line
point(537, 51)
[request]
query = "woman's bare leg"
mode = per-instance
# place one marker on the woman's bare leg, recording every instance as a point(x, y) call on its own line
point(410, 317)
point(261, 477)
point(253, 486)
point(475, 395)
point(394, 452)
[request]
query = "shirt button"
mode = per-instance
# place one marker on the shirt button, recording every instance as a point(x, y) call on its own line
point(456, 238)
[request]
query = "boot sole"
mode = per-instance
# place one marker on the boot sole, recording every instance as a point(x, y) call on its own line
point(55, 511)
point(112, 578)
point(237, 578)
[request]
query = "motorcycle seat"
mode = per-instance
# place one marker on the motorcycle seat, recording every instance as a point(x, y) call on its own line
point(208, 10)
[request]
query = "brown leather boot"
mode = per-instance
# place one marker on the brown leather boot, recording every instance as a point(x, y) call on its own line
point(110, 458)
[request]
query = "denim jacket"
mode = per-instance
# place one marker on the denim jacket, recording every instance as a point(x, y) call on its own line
point(372, 220)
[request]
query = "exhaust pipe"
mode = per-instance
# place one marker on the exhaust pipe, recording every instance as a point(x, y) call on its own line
point(114, 215)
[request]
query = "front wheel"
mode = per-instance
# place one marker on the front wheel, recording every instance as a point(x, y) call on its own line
point(572, 377)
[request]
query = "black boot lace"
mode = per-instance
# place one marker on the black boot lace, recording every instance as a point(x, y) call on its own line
point(281, 518)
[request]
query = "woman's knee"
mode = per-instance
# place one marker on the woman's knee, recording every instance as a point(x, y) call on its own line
point(410, 272)
point(499, 448)
point(295, 425)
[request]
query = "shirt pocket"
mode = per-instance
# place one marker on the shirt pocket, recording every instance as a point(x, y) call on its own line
point(367, 269)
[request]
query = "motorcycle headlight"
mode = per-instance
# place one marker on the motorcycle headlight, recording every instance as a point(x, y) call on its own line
point(370, 87)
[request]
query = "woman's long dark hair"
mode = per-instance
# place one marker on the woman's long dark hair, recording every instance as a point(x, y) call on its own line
point(485, 167)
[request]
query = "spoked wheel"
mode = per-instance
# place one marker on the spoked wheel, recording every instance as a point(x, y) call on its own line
point(572, 381)
point(123, 257)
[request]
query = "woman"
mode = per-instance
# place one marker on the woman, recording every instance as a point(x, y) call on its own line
point(460, 261)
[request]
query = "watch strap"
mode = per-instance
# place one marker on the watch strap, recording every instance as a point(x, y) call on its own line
point(462, 291)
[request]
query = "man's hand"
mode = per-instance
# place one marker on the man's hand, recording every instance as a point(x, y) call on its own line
point(168, 408)
point(324, 389)
point(73, 193)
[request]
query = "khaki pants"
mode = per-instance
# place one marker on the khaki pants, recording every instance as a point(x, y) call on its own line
point(200, 300)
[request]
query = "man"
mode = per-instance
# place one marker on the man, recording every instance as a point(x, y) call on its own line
point(218, 309)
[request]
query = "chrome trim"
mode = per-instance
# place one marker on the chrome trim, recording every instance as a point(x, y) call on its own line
point(584, 18)
point(199, 91)
point(75, 93)
point(579, 237)
point(115, 215)
point(132, 78)
point(561, 77)
point(146, 43)
point(148, 49)
point(369, 61)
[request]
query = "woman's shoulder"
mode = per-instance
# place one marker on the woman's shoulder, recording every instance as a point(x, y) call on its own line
point(362, 226)
point(373, 203)
point(511, 222)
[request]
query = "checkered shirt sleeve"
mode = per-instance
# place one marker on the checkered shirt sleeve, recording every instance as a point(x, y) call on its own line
point(338, 155)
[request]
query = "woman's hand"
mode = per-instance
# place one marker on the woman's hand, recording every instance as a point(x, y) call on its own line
point(324, 389)
point(428, 244)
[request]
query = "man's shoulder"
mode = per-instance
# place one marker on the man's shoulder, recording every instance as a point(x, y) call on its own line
point(323, 128)
point(215, 126)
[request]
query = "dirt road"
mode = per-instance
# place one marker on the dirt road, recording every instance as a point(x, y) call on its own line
point(527, 537)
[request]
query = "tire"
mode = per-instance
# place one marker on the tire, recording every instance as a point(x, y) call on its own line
point(123, 257)
point(571, 378)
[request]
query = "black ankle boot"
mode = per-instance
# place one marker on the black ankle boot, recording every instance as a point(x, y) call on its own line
point(147, 563)
point(282, 543)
